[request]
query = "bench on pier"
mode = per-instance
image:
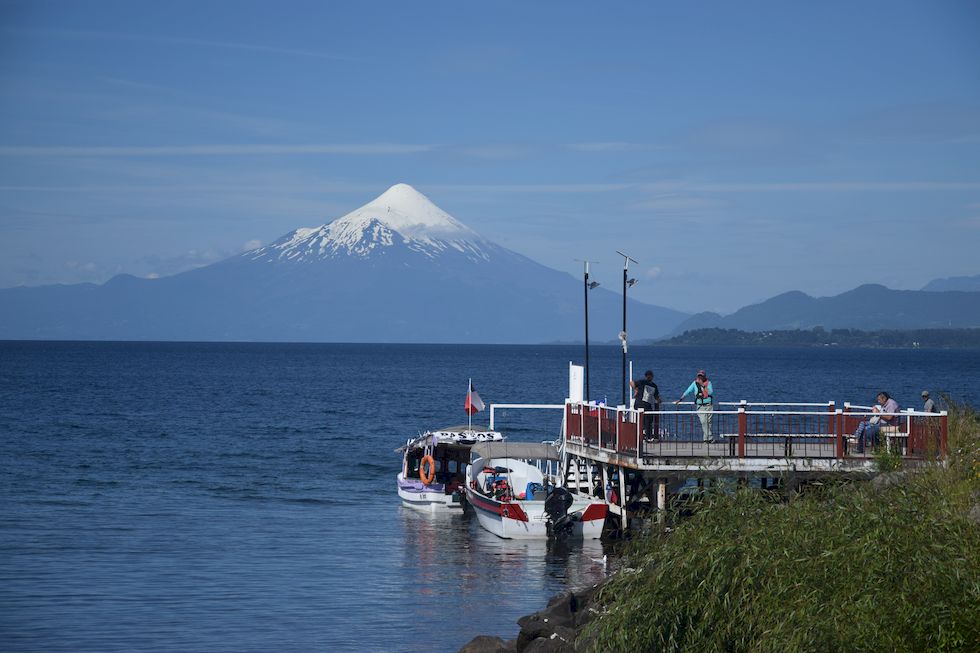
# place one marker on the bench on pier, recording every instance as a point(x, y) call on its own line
point(893, 436)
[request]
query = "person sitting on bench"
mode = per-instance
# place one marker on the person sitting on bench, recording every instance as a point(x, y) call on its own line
point(867, 431)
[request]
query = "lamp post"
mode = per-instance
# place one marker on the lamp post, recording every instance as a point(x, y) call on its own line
point(589, 285)
point(627, 283)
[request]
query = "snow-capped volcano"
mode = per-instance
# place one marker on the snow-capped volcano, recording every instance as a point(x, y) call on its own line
point(398, 269)
point(399, 217)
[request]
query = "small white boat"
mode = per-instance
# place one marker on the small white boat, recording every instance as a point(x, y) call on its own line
point(433, 467)
point(515, 497)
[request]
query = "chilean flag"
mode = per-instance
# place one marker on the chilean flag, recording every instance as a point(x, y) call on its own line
point(473, 402)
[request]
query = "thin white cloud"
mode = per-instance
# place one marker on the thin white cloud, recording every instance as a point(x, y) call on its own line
point(542, 189)
point(214, 150)
point(179, 40)
point(834, 186)
point(612, 146)
point(497, 151)
point(531, 188)
point(675, 203)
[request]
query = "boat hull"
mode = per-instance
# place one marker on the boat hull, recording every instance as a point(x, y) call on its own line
point(428, 498)
point(526, 520)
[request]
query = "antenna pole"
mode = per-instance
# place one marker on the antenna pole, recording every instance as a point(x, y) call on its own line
point(622, 335)
point(624, 331)
point(587, 287)
point(587, 397)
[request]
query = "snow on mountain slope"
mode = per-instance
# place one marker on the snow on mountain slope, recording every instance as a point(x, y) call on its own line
point(399, 216)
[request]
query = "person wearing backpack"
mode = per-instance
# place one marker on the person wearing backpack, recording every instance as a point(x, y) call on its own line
point(704, 400)
point(646, 396)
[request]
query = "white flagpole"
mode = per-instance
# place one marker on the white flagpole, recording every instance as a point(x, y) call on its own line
point(469, 398)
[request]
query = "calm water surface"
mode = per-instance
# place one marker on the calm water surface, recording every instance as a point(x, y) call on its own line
point(240, 497)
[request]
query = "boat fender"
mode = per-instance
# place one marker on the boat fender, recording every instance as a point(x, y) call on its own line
point(430, 475)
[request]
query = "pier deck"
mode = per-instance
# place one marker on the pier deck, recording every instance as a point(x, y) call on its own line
point(605, 451)
point(790, 443)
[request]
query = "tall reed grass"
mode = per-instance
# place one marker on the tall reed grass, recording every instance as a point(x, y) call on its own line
point(879, 566)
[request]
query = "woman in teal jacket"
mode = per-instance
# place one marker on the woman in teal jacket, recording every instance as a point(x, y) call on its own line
point(704, 399)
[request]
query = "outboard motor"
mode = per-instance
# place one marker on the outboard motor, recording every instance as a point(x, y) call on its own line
point(556, 507)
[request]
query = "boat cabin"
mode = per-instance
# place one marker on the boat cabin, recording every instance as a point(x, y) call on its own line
point(450, 463)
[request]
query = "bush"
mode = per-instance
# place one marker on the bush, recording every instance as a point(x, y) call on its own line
point(855, 567)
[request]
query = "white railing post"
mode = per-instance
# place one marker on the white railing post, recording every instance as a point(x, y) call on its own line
point(617, 430)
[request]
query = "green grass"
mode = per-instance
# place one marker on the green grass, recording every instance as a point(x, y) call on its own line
point(850, 567)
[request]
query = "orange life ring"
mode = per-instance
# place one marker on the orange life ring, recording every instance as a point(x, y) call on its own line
point(427, 477)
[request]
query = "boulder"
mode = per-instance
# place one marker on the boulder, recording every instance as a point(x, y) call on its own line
point(560, 642)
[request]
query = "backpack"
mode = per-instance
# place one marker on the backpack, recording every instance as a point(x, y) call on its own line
point(702, 398)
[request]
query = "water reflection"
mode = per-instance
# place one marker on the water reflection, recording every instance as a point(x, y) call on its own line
point(489, 582)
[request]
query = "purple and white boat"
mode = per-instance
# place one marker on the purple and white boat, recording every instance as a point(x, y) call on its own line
point(434, 465)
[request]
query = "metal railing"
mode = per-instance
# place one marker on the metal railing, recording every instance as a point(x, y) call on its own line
point(809, 430)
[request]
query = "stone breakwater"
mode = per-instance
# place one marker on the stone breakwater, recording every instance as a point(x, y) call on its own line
point(556, 629)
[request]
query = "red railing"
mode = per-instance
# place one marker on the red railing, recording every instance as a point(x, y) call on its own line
point(807, 431)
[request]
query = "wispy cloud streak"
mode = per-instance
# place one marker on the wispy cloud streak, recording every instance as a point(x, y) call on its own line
point(834, 186)
point(214, 150)
point(613, 146)
point(178, 40)
point(543, 189)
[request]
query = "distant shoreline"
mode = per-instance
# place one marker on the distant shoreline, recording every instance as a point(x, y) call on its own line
point(819, 337)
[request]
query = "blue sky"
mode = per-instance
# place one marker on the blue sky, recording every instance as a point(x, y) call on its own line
point(737, 150)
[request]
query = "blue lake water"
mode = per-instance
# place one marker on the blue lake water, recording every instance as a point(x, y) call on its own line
point(240, 497)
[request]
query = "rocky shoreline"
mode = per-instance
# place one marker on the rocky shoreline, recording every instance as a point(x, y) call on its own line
point(559, 628)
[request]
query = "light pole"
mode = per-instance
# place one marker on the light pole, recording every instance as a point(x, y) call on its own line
point(627, 283)
point(589, 285)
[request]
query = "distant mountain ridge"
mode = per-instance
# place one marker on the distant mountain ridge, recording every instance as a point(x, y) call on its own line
point(398, 269)
point(867, 307)
point(966, 284)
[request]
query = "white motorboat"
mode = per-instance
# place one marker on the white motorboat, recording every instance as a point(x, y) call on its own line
point(433, 467)
point(516, 492)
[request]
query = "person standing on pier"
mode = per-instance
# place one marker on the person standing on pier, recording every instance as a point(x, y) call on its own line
point(704, 399)
point(646, 396)
point(928, 405)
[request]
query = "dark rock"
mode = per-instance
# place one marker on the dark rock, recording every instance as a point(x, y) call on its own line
point(549, 645)
point(487, 644)
point(532, 627)
point(554, 629)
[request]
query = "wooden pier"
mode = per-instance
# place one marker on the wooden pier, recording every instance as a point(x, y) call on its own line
point(786, 444)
